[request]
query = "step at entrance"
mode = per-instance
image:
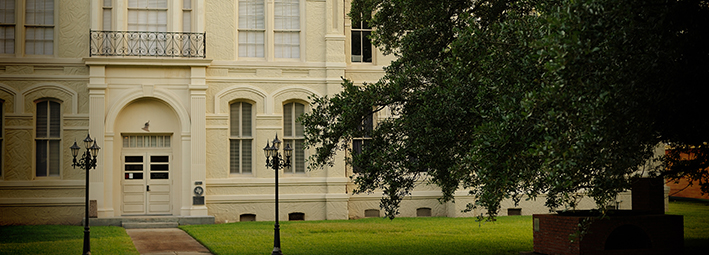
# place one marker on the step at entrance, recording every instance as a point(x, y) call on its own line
point(129, 225)
point(151, 221)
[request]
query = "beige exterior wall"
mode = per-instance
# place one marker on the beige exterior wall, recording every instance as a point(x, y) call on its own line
point(188, 100)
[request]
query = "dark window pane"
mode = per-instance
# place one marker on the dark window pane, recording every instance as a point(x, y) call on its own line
point(246, 119)
point(356, 147)
point(159, 167)
point(288, 119)
point(159, 158)
point(54, 157)
point(299, 152)
point(246, 157)
point(299, 128)
point(54, 119)
point(159, 176)
point(356, 44)
point(41, 161)
point(134, 158)
point(234, 119)
point(234, 156)
point(134, 167)
point(41, 119)
point(366, 47)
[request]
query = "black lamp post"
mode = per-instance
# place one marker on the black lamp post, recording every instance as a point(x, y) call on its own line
point(274, 160)
point(87, 161)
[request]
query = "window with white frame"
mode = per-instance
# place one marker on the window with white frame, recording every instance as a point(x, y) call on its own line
point(186, 15)
point(240, 138)
point(47, 138)
point(358, 143)
point(294, 134)
point(147, 15)
point(107, 14)
point(285, 34)
point(7, 26)
point(361, 50)
point(252, 28)
point(39, 27)
point(286, 29)
point(36, 22)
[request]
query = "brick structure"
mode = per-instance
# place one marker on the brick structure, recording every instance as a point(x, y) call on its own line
point(643, 230)
point(618, 234)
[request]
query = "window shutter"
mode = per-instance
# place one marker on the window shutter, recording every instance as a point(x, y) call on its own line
point(299, 110)
point(54, 119)
point(234, 119)
point(288, 119)
point(246, 150)
point(245, 119)
point(234, 156)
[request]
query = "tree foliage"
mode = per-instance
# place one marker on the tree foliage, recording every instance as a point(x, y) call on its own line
point(512, 99)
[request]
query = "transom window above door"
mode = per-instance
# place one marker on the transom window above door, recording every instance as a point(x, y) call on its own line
point(146, 141)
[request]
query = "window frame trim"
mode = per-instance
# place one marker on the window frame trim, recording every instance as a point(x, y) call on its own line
point(269, 34)
point(21, 25)
point(241, 137)
point(48, 138)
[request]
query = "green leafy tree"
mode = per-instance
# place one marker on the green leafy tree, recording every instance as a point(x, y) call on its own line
point(513, 99)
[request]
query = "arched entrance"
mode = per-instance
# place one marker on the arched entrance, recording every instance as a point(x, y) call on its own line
point(147, 134)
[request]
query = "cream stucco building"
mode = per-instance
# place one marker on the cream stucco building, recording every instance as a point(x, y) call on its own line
point(179, 94)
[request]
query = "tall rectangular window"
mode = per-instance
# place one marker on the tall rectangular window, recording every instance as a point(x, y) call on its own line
point(48, 138)
point(294, 134)
point(252, 28)
point(287, 29)
point(186, 15)
point(147, 15)
point(107, 14)
point(39, 27)
point(358, 143)
point(240, 138)
point(361, 50)
point(7, 26)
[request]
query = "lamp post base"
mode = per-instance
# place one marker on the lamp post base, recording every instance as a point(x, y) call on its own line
point(276, 251)
point(87, 242)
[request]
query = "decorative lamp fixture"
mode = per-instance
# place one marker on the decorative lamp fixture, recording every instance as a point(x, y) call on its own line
point(87, 161)
point(274, 161)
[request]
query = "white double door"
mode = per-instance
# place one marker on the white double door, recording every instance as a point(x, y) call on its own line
point(147, 183)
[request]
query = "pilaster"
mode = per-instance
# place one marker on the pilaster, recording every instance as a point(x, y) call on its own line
point(197, 171)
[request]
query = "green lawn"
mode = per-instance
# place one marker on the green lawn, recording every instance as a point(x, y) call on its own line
point(508, 235)
point(696, 225)
point(56, 239)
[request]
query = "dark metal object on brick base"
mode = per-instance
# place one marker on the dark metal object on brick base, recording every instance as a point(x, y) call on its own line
point(626, 234)
point(643, 230)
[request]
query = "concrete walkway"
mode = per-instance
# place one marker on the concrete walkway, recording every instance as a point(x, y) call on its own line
point(164, 241)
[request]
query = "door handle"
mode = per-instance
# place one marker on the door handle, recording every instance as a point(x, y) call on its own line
point(148, 187)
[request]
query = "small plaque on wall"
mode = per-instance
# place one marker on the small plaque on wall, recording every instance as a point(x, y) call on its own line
point(197, 200)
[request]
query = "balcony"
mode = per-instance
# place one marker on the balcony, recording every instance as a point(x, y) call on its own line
point(147, 44)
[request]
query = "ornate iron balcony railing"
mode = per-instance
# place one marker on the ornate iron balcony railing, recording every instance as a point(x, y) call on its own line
point(149, 44)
